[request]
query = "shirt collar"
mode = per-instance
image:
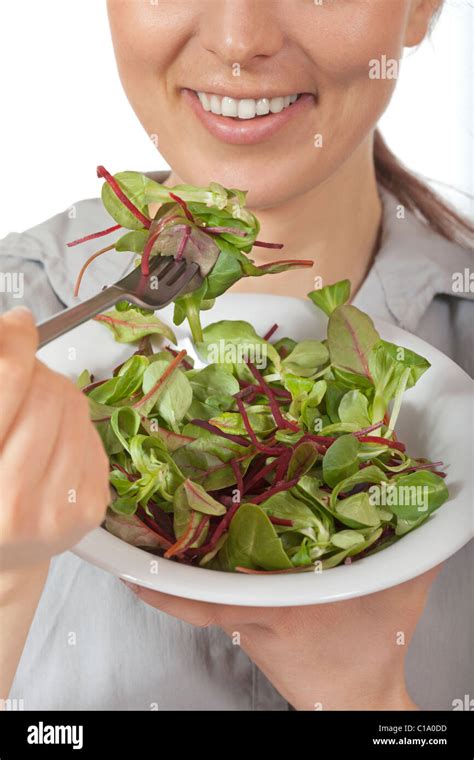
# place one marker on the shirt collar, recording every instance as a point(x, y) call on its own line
point(413, 265)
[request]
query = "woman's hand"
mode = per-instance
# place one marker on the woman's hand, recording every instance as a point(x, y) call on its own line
point(341, 656)
point(53, 479)
point(53, 468)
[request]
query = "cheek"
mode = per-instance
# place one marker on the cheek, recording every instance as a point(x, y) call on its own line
point(347, 43)
point(148, 41)
point(343, 38)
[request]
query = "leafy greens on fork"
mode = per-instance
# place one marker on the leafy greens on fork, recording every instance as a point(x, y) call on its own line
point(210, 226)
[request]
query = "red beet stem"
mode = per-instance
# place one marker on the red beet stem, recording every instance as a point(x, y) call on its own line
point(282, 393)
point(183, 205)
point(181, 543)
point(162, 379)
point(182, 244)
point(145, 262)
point(94, 235)
point(87, 263)
point(324, 439)
point(154, 527)
point(221, 528)
point(221, 466)
point(322, 442)
point(246, 421)
point(275, 489)
point(369, 429)
point(279, 392)
point(104, 174)
point(91, 386)
point(248, 392)
point(270, 332)
point(261, 244)
point(427, 466)
point(298, 262)
point(377, 439)
point(280, 521)
point(186, 364)
point(270, 450)
point(283, 463)
point(240, 440)
point(128, 475)
point(279, 419)
point(200, 528)
point(259, 475)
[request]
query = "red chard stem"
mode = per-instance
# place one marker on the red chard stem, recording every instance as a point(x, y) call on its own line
point(183, 205)
point(104, 174)
point(261, 244)
point(94, 235)
point(270, 332)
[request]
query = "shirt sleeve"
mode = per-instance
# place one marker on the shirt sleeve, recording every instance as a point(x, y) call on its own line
point(24, 282)
point(39, 263)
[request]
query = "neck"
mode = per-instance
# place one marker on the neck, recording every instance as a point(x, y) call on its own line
point(335, 224)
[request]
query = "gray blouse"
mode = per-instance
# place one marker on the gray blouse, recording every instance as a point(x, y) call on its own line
point(93, 645)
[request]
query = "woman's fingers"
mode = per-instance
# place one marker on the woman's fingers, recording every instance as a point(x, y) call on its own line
point(33, 432)
point(201, 614)
point(54, 472)
point(281, 619)
point(18, 343)
point(77, 472)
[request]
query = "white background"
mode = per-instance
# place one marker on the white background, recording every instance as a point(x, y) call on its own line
point(62, 109)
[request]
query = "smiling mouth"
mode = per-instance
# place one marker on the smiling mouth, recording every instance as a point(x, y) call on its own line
point(244, 108)
point(248, 121)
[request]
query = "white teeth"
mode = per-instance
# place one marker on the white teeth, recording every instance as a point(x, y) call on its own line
point(205, 102)
point(216, 104)
point(277, 105)
point(263, 107)
point(246, 108)
point(229, 107)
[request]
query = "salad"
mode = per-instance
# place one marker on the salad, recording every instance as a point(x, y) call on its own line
point(273, 456)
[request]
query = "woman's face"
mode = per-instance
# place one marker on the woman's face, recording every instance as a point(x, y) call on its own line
point(248, 57)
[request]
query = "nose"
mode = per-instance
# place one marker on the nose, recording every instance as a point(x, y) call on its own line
point(241, 31)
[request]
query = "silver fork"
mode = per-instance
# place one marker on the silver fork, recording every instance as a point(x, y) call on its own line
point(166, 280)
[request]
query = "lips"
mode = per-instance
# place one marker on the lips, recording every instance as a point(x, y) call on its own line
point(246, 121)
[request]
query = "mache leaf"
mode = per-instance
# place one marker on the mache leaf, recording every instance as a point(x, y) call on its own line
point(331, 296)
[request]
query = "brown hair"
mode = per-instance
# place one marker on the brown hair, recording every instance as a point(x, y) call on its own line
point(416, 196)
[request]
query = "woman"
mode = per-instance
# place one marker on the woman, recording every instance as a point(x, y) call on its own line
point(322, 182)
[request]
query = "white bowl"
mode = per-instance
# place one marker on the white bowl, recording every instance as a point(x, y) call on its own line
point(435, 422)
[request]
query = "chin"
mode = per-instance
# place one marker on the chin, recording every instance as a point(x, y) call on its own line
point(268, 182)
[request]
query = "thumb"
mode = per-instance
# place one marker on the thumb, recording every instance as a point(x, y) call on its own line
point(201, 614)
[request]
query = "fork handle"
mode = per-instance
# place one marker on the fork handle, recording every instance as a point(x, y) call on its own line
point(69, 318)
